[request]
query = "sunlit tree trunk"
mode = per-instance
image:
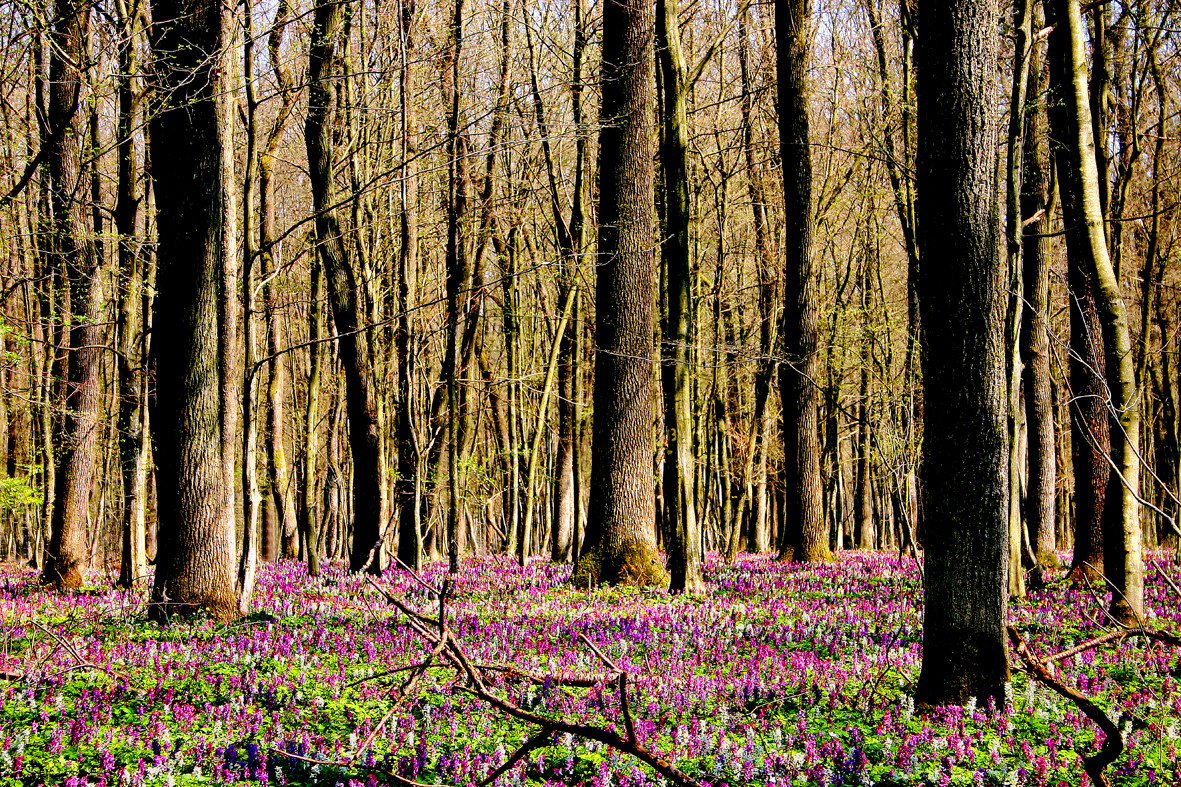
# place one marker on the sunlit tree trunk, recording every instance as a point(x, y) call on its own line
point(132, 337)
point(806, 538)
point(1086, 242)
point(621, 520)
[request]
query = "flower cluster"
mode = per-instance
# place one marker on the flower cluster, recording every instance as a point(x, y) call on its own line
point(783, 674)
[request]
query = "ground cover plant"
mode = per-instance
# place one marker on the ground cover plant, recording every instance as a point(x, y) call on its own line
point(782, 674)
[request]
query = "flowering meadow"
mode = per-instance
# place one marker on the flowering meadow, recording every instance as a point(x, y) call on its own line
point(782, 675)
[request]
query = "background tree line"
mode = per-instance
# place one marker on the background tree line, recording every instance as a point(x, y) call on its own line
point(398, 247)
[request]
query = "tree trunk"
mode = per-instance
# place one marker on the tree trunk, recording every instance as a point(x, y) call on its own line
point(962, 297)
point(621, 520)
point(409, 529)
point(1089, 426)
point(679, 506)
point(1086, 242)
point(311, 424)
point(360, 396)
point(132, 337)
point(1037, 209)
point(807, 537)
point(195, 215)
point(77, 260)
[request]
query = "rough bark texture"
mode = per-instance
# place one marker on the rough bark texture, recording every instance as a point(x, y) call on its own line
point(360, 396)
point(962, 300)
point(190, 137)
point(806, 537)
point(621, 518)
point(77, 266)
point(1037, 253)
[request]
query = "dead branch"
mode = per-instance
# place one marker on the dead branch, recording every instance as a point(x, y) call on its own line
point(444, 644)
point(1113, 743)
point(1167, 578)
point(1114, 636)
point(538, 741)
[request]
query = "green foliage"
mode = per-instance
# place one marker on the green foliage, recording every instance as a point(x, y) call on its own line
point(17, 493)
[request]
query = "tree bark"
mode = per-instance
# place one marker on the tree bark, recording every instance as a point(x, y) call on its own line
point(195, 215)
point(75, 256)
point(1089, 426)
point(621, 520)
point(132, 338)
point(679, 510)
point(806, 536)
point(409, 529)
point(962, 299)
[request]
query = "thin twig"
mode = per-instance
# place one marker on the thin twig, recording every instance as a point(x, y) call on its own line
point(1167, 578)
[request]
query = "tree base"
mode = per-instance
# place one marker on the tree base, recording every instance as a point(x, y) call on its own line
point(631, 563)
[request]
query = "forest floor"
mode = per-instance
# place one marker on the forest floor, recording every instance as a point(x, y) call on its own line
point(783, 674)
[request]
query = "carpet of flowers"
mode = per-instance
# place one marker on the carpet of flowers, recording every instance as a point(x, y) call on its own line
point(782, 675)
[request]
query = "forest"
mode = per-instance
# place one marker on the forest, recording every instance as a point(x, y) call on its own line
point(689, 392)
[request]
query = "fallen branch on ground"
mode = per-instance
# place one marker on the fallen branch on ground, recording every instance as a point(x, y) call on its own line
point(478, 680)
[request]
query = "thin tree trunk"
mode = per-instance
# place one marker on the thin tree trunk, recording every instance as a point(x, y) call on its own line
point(1022, 25)
point(1036, 207)
point(1086, 241)
point(679, 506)
point(409, 528)
point(360, 396)
point(132, 337)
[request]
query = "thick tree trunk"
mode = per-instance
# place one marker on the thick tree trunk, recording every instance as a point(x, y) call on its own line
point(192, 168)
point(807, 537)
point(962, 299)
point(360, 396)
point(621, 520)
